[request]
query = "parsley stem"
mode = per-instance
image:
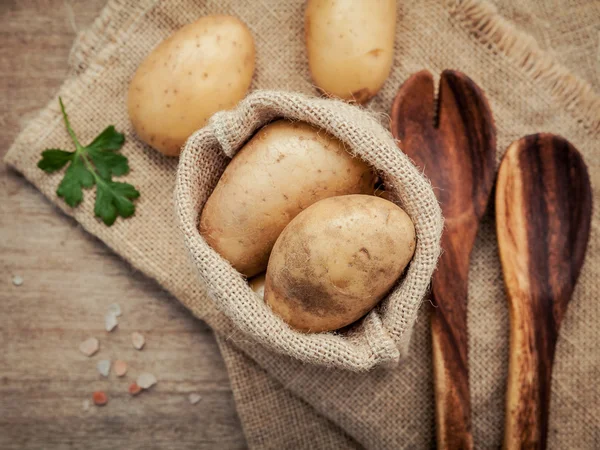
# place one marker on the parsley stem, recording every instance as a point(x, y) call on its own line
point(79, 149)
point(91, 168)
point(78, 146)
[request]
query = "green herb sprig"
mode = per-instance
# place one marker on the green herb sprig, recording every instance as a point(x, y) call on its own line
point(93, 164)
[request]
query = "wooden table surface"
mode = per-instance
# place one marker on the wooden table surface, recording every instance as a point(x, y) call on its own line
point(70, 278)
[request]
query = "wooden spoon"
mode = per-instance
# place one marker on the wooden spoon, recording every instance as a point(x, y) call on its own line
point(543, 215)
point(456, 150)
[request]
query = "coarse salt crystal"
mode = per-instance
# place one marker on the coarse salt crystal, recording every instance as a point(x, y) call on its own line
point(103, 367)
point(146, 380)
point(115, 309)
point(120, 367)
point(110, 321)
point(17, 280)
point(89, 346)
point(134, 389)
point(100, 398)
point(194, 398)
point(138, 340)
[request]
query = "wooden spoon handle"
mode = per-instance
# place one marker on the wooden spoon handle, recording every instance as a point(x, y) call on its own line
point(452, 403)
point(450, 342)
point(533, 339)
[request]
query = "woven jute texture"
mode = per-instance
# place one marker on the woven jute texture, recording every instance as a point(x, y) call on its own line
point(284, 403)
point(377, 338)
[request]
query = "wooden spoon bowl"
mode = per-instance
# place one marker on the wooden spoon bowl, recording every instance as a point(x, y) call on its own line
point(543, 216)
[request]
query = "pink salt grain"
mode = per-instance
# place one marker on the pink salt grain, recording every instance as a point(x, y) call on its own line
point(134, 389)
point(194, 398)
point(120, 367)
point(100, 398)
point(89, 347)
point(110, 321)
point(146, 380)
point(137, 340)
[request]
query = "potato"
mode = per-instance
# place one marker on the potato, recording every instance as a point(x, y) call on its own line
point(202, 68)
point(282, 170)
point(350, 45)
point(336, 260)
point(257, 284)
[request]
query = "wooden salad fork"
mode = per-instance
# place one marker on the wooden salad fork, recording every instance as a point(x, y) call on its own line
point(456, 149)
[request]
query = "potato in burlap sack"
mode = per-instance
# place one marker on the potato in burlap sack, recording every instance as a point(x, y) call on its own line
point(383, 335)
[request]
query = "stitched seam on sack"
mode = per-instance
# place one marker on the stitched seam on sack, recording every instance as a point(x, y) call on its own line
point(481, 19)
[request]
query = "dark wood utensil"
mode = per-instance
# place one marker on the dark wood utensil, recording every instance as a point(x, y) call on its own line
point(456, 149)
point(543, 215)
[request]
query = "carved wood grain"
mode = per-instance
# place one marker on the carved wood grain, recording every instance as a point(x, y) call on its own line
point(455, 148)
point(543, 213)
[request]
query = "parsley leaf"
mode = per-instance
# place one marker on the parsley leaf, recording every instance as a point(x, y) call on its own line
point(102, 151)
point(110, 139)
point(94, 164)
point(54, 159)
point(108, 163)
point(114, 198)
point(76, 177)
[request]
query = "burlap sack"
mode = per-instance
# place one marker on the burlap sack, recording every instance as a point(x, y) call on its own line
point(378, 337)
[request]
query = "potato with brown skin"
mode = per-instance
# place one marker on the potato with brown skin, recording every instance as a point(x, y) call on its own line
point(350, 45)
point(282, 170)
point(257, 284)
point(202, 68)
point(336, 260)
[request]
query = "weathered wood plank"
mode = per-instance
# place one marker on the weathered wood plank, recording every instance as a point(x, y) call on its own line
point(69, 280)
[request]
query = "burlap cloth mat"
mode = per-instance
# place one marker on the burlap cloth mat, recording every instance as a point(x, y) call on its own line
point(282, 402)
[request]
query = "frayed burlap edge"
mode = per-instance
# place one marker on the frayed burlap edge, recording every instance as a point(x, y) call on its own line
point(383, 334)
point(576, 95)
point(103, 30)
